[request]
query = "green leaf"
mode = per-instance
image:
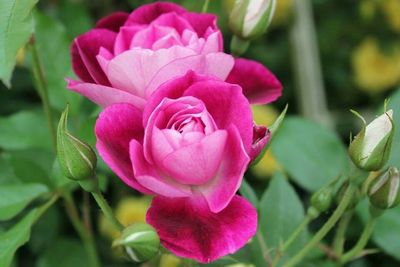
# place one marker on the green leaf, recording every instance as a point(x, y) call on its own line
point(273, 130)
point(15, 237)
point(16, 26)
point(248, 193)
point(53, 47)
point(14, 198)
point(16, 131)
point(70, 251)
point(387, 229)
point(311, 154)
point(281, 211)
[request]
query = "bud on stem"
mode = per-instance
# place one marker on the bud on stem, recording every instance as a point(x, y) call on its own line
point(384, 191)
point(77, 159)
point(140, 242)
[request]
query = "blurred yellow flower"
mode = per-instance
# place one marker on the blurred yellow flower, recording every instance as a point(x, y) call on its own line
point(169, 260)
point(128, 211)
point(283, 11)
point(265, 115)
point(375, 71)
point(391, 10)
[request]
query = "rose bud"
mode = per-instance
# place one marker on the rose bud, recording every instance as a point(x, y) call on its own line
point(140, 242)
point(322, 199)
point(250, 19)
point(370, 149)
point(77, 159)
point(384, 191)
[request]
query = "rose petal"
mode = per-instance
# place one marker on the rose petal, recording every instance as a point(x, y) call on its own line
point(174, 21)
point(201, 22)
point(148, 13)
point(132, 70)
point(104, 95)
point(214, 64)
point(188, 229)
point(259, 85)
point(124, 38)
point(149, 178)
point(226, 105)
point(84, 51)
point(116, 126)
point(219, 191)
point(197, 163)
point(112, 22)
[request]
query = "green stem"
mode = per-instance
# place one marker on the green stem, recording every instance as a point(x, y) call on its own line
point(41, 87)
point(264, 248)
point(205, 6)
point(338, 242)
point(344, 203)
point(98, 196)
point(309, 217)
point(361, 243)
point(84, 235)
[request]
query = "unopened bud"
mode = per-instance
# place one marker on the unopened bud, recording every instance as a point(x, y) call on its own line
point(140, 241)
point(322, 199)
point(250, 18)
point(370, 149)
point(77, 159)
point(384, 192)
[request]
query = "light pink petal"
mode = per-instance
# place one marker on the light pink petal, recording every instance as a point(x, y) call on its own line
point(259, 85)
point(84, 51)
point(226, 105)
point(149, 178)
point(148, 13)
point(113, 22)
point(218, 65)
point(132, 70)
point(104, 95)
point(219, 191)
point(188, 229)
point(197, 163)
point(212, 44)
point(104, 57)
point(152, 34)
point(116, 126)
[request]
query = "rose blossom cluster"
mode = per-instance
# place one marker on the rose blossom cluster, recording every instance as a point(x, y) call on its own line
point(177, 122)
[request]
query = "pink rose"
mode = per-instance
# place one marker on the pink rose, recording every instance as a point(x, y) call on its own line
point(190, 147)
point(127, 56)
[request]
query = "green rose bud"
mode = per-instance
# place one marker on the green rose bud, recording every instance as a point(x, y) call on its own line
point(77, 159)
point(322, 199)
point(250, 18)
point(370, 149)
point(383, 192)
point(140, 242)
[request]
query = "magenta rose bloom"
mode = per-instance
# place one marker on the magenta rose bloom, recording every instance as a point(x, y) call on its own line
point(190, 148)
point(127, 56)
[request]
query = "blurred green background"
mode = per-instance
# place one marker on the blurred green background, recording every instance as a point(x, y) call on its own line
point(355, 64)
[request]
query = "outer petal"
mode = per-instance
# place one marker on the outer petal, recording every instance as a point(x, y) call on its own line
point(112, 22)
point(132, 70)
point(201, 22)
point(215, 64)
point(259, 85)
point(148, 176)
point(187, 228)
point(84, 51)
point(219, 191)
point(104, 95)
point(147, 13)
point(116, 126)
